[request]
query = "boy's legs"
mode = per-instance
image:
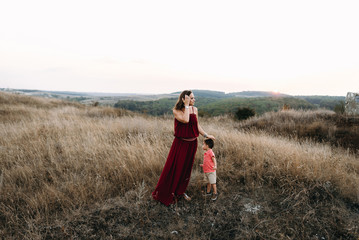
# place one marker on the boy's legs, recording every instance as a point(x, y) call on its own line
point(211, 178)
point(208, 188)
point(214, 186)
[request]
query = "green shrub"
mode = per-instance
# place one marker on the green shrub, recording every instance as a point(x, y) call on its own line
point(245, 113)
point(340, 107)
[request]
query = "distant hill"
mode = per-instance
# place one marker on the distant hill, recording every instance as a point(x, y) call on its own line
point(218, 94)
point(137, 96)
point(258, 94)
point(323, 101)
point(207, 94)
point(215, 106)
point(210, 103)
point(259, 104)
point(108, 99)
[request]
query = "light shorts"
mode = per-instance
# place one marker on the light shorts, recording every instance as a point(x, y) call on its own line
point(210, 177)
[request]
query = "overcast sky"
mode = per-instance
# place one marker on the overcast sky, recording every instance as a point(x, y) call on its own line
point(294, 47)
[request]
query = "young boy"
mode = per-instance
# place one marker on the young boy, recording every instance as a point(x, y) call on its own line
point(209, 167)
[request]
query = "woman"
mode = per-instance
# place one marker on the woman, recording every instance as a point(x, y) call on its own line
point(176, 173)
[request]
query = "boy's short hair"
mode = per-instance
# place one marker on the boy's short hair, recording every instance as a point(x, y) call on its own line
point(209, 142)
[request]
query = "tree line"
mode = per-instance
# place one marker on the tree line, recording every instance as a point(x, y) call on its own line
point(220, 106)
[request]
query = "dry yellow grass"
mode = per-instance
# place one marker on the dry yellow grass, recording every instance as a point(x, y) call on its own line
point(57, 157)
point(319, 125)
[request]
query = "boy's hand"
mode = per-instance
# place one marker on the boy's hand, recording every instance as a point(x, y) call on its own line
point(215, 167)
point(201, 165)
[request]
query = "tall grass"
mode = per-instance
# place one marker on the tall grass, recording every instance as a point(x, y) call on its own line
point(58, 157)
point(319, 125)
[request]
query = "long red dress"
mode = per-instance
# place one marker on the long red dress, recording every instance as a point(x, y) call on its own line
point(176, 173)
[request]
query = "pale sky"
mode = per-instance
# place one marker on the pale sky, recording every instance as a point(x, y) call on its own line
point(294, 47)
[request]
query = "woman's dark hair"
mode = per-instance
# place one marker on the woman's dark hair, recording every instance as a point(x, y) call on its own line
point(180, 104)
point(209, 142)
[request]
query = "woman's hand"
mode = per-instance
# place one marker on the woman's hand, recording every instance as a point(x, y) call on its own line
point(186, 100)
point(211, 137)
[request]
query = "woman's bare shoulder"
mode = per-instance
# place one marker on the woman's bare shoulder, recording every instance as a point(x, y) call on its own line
point(177, 112)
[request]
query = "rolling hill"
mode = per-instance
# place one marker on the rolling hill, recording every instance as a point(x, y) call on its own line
point(71, 171)
point(210, 103)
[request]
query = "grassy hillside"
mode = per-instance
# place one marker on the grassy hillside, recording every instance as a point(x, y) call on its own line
point(210, 103)
point(75, 172)
point(327, 102)
point(216, 106)
point(320, 125)
point(260, 105)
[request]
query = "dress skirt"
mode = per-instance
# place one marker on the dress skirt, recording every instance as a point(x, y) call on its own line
point(176, 173)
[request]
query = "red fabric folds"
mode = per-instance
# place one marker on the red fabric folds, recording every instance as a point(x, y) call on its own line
point(176, 173)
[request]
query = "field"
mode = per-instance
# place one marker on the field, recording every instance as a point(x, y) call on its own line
point(69, 171)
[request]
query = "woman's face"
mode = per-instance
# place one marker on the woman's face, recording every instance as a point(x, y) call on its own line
point(191, 102)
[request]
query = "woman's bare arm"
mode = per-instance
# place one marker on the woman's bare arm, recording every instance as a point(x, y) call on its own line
point(181, 116)
point(200, 129)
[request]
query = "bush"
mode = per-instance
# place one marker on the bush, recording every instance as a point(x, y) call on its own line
point(245, 113)
point(340, 108)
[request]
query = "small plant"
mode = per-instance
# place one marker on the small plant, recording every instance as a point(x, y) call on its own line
point(286, 107)
point(245, 113)
point(339, 108)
